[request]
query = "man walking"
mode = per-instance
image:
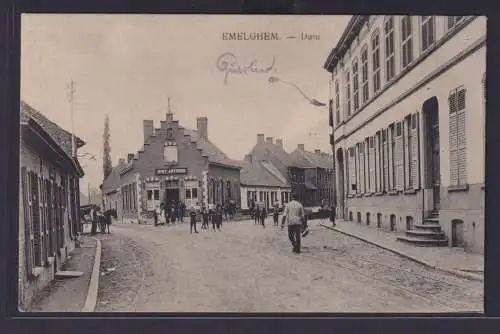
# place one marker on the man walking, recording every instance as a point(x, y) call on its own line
point(93, 219)
point(192, 215)
point(263, 216)
point(293, 216)
point(276, 213)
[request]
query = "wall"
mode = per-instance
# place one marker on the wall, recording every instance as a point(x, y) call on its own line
point(244, 189)
point(216, 172)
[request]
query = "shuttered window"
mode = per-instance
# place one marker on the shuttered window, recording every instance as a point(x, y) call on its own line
point(428, 32)
point(364, 74)
point(358, 169)
point(407, 152)
point(390, 67)
point(378, 160)
point(398, 157)
point(415, 151)
point(355, 84)
point(35, 212)
point(347, 93)
point(337, 102)
point(352, 171)
point(385, 151)
point(457, 126)
point(392, 150)
point(29, 239)
point(362, 164)
point(371, 162)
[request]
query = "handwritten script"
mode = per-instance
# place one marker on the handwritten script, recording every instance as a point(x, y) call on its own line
point(228, 63)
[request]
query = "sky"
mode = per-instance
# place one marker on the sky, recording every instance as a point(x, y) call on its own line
point(127, 66)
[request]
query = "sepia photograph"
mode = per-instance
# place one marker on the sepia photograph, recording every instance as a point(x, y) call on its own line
point(252, 163)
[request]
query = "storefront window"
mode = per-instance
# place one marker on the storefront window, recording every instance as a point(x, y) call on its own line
point(157, 194)
point(194, 193)
point(150, 195)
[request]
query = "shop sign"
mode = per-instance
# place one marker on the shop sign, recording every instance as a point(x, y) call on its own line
point(171, 171)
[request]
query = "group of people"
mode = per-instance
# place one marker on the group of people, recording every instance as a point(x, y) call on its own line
point(166, 214)
point(101, 219)
point(206, 215)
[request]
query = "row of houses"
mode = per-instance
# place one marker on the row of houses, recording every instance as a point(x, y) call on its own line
point(48, 202)
point(408, 115)
point(181, 164)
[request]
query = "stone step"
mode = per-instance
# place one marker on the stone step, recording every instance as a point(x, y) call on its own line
point(63, 274)
point(428, 235)
point(423, 242)
point(431, 220)
point(428, 227)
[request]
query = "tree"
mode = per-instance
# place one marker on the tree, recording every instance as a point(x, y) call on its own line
point(107, 165)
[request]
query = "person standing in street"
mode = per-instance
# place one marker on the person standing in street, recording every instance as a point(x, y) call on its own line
point(276, 213)
point(257, 214)
point(192, 216)
point(293, 217)
point(333, 210)
point(204, 217)
point(263, 216)
point(93, 219)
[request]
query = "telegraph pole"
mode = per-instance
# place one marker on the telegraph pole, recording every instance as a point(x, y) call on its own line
point(332, 143)
point(71, 98)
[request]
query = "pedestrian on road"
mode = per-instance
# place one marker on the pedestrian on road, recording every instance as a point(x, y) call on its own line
point(263, 216)
point(293, 217)
point(213, 218)
point(204, 216)
point(257, 214)
point(192, 215)
point(93, 219)
point(276, 213)
point(156, 215)
point(173, 212)
point(333, 210)
point(219, 212)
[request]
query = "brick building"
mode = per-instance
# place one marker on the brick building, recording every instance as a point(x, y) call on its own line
point(174, 164)
point(48, 202)
point(299, 170)
point(262, 182)
point(408, 118)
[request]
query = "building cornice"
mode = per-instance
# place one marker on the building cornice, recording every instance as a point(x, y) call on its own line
point(350, 33)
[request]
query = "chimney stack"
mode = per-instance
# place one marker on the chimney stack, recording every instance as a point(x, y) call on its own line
point(260, 138)
point(269, 140)
point(130, 157)
point(202, 126)
point(318, 152)
point(300, 147)
point(279, 142)
point(148, 128)
point(248, 158)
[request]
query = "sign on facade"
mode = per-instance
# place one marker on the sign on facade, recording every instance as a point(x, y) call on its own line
point(171, 171)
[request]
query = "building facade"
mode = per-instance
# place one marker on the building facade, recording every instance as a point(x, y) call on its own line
point(318, 175)
point(48, 202)
point(262, 182)
point(408, 115)
point(175, 164)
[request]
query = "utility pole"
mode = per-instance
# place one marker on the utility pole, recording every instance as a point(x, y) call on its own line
point(71, 98)
point(332, 143)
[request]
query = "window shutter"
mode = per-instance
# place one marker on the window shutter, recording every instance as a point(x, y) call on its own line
point(390, 157)
point(461, 138)
point(351, 170)
point(372, 164)
point(398, 157)
point(385, 151)
point(362, 164)
point(28, 236)
point(406, 152)
point(452, 130)
point(415, 151)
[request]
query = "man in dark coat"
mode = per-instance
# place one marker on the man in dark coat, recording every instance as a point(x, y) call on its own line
point(333, 210)
point(192, 216)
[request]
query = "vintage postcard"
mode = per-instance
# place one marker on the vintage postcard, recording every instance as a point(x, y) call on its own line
point(252, 164)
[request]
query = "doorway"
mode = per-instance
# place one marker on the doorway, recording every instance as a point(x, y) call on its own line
point(340, 191)
point(432, 156)
point(457, 233)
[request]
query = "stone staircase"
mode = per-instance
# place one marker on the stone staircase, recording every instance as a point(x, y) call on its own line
point(428, 234)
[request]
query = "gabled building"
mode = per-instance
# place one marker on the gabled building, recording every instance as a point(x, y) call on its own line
point(175, 164)
point(48, 201)
point(318, 174)
point(262, 182)
point(408, 119)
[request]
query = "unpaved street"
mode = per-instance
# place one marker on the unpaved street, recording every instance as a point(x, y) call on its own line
point(247, 268)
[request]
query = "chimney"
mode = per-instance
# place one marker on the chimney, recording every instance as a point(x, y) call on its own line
point(279, 142)
point(248, 158)
point(318, 152)
point(260, 138)
point(300, 147)
point(202, 126)
point(130, 157)
point(269, 140)
point(148, 128)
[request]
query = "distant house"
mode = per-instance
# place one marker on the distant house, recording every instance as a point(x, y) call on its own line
point(111, 190)
point(261, 181)
point(318, 173)
point(49, 202)
point(293, 168)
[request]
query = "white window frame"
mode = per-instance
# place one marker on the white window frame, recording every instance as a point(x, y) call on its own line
point(453, 21)
point(427, 23)
point(406, 41)
point(375, 58)
point(364, 75)
point(337, 102)
point(348, 92)
point(355, 84)
point(389, 51)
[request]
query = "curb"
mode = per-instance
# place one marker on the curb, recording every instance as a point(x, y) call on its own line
point(91, 301)
point(458, 273)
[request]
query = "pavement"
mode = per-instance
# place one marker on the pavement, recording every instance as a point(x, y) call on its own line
point(247, 268)
point(449, 259)
point(70, 294)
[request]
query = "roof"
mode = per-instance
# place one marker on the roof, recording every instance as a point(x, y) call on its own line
point(261, 174)
point(58, 134)
point(350, 32)
point(321, 160)
point(261, 152)
point(214, 154)
point(112, 182)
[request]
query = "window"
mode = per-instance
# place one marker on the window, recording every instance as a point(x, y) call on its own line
point(194, 193)
point(415, 156)
point(157, 195)
point(376, 61)
point(150, 195)
point(389, 48)
point(458, 154)
point(364, 74)
point(228, 186)
point(371, 164)
point(28, 222)
point(428, 33)
point(355, 84)
point(385, 159)
point(188, 193)
point(408, 153)
point(170, 152)
point(398, 157)
point(406, 41)
point(348, 93)
point(392, 150)
point(352, 171)
point(337, 102)
point(454, 20)
point(362, 164)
